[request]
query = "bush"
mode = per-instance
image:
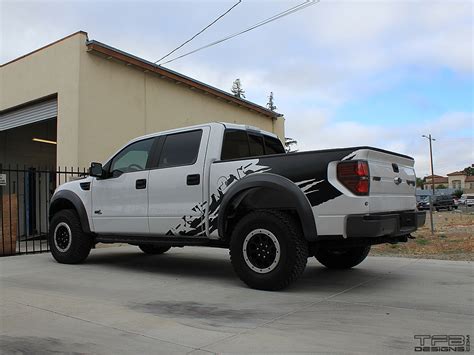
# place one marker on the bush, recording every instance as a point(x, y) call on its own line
point(458, 193)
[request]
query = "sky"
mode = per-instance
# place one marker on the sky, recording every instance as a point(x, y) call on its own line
point(343, 73)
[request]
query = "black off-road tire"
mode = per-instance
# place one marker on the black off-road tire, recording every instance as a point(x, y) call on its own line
point(342, 258)
point(78, 247)
point(153, 249)
point(293, 249)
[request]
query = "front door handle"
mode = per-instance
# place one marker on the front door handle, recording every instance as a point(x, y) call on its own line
point(140, 184)
point(193, 179)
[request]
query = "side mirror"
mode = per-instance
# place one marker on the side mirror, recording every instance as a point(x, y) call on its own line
point(96, 170)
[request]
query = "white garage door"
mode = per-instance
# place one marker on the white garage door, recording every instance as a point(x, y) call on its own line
point(33, 113)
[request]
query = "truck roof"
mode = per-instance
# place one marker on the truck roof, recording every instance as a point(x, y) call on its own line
point(211, 124)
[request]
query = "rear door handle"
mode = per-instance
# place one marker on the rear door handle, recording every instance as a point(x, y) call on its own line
point(193, 179)
point(140, 184)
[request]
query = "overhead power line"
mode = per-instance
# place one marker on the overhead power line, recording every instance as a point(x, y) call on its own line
point(197, 34)
point(261, 23)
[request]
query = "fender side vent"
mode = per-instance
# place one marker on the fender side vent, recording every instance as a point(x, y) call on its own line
point(85, 185)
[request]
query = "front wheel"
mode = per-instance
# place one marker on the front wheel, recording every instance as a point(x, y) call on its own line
point(68, 242)
point(267, 250)
point(341, 258)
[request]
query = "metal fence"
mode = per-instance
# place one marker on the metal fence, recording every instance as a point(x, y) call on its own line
point(24, 204)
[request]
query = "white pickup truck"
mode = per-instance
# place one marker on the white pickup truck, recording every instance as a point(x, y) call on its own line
point(233, 186)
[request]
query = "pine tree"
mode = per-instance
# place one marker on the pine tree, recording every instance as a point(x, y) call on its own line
point(271, 104)
point(237, 89)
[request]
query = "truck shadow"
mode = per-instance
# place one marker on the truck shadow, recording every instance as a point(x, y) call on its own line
point(208, 267)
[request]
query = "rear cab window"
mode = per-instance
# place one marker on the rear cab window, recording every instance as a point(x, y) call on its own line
point(180, 149)
point(273, 146)
point(235, 145)
point(256, 144)
point(239, 144)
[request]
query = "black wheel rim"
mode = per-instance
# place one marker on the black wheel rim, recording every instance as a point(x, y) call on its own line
point(62, 237)
point(261, 251)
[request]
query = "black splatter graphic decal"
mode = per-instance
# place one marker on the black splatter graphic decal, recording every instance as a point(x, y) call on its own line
point(195, 225)
point(308, 170)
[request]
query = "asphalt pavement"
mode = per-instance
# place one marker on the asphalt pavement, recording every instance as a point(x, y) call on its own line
point(189, 300)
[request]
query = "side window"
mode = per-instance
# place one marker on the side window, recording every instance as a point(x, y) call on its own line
point(180, 149)
point(273, 146)
point(256, 145)
point(235, 145)
point(132, 158)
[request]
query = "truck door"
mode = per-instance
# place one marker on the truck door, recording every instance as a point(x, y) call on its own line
point(175, 194)
point(120, 201)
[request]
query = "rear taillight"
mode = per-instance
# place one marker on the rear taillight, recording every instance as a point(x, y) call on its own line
point(354, 175)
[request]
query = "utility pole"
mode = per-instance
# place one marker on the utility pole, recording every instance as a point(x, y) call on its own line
point(432, 180)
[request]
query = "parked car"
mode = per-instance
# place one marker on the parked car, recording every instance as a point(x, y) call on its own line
point(423, 203)
point(441, 202)
point(467, 200)
point(233, 186)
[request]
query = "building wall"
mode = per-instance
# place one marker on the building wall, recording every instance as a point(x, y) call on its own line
point(120, 102)
point(102, 103)
point(457, 181)
point(443, 182)
point(54, 69)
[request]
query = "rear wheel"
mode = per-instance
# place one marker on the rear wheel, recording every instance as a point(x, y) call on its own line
point(342, 258)
point(153, 249)
point(68, 242)
point(267, 250)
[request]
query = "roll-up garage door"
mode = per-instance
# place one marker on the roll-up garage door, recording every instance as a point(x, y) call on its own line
point(29, 114)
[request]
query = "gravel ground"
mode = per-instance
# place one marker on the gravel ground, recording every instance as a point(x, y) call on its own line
point(452, 239)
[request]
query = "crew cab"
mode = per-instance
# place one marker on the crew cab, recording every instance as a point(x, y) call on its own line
point(234, 186)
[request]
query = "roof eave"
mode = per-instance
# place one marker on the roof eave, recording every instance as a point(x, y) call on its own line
point(129, 59)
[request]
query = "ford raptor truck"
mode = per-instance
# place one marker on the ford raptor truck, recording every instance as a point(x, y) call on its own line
point(233, 186)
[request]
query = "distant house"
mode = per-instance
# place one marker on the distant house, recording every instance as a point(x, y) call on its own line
point(459, 180)
point(439, 181)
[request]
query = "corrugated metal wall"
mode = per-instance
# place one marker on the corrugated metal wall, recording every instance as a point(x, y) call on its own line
point(34, 113)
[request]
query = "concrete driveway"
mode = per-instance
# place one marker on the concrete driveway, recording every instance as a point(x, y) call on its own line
point(189, 300)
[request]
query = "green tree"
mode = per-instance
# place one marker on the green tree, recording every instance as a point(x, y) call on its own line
point(237, 89)
point(420, 183)
point(469, 170)
point(458, 193)
point(271, 104)
point(289, 143)
point(440, 187)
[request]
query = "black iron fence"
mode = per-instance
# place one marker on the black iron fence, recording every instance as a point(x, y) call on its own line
point(24, 205)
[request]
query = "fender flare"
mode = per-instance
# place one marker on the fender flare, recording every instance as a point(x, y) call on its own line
point(275, 182)
point(76, 202)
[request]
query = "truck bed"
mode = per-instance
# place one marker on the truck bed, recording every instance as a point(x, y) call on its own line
point(314, 172)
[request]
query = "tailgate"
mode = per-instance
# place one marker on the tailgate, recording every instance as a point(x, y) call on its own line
point(392, 182)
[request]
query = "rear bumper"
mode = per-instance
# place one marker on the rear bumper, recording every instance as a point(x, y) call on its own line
point(384, 224)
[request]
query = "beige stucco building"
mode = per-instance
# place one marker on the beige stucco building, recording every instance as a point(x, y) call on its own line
point(439, 181)
point(459, 180)
point(91, 99)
